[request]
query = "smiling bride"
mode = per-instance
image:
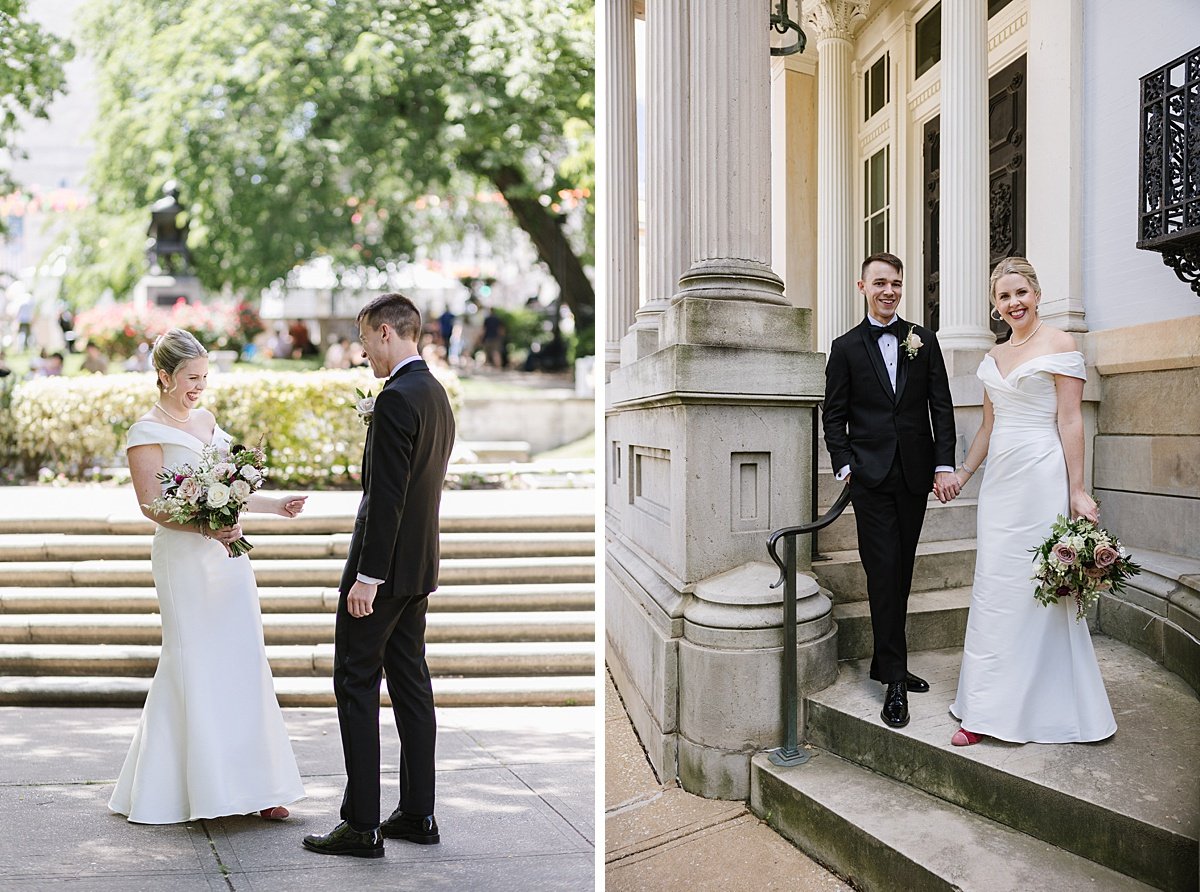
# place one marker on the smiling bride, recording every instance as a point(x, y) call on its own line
point(211, 740)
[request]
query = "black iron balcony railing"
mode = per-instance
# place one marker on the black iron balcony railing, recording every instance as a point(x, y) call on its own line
point(1169, 195)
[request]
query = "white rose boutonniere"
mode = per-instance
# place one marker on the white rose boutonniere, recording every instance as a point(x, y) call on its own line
point(912, 343)
point(365, 407)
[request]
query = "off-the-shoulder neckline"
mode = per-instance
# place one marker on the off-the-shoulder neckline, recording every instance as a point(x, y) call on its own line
point(1019, 365)
point(211, 438)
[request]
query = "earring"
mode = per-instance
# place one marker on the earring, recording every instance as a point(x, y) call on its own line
point(997, 317)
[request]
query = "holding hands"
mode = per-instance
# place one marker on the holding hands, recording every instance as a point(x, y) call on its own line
point(947, 485)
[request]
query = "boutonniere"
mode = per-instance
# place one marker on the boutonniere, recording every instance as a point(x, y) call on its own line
point(365, 407)
point(912, 343)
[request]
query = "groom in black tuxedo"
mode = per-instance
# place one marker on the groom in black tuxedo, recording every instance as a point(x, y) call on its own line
point(392, 568)
point(889, 428)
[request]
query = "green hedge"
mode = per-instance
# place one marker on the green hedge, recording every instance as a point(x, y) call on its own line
point(312, 434)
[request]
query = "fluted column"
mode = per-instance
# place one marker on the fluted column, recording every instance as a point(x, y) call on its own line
point(839, 306)
point(963, 228)
point(616, 163)
point(668, 233)
point(730, 194)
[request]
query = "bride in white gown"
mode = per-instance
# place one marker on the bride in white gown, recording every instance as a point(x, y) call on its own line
point(211, 740)
point(1029, 672)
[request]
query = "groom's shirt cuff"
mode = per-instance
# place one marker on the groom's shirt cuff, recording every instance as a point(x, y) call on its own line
point(369, 580)
point(943, 468)
point(843, 473)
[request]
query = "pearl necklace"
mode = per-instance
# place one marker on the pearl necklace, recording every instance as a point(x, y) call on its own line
point(1013, 343)
point(172, 417)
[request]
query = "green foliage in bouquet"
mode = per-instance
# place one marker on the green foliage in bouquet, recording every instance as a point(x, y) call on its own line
point(313, 434)
point(1080, 560)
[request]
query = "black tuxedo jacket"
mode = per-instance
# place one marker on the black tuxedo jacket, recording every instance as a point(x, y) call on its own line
point(866, 423)
point(396, 535)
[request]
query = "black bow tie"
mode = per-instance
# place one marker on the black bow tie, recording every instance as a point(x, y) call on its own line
point(892, 328)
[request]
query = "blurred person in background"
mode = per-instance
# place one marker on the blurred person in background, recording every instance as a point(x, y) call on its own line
point(94, 362)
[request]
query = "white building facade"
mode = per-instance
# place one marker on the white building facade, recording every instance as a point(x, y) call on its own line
point(951, 134)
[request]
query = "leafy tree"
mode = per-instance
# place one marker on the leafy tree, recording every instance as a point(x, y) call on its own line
point(306, 127)
point(31, 73)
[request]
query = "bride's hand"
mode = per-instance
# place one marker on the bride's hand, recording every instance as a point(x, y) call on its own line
point(290, 506)
point(1083, 505)
point(227, 535)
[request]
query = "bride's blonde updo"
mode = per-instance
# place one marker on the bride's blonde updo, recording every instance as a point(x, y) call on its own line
point(171, 351)
point(1018, 265)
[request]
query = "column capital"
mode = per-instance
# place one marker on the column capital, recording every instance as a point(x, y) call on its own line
point(835, 18)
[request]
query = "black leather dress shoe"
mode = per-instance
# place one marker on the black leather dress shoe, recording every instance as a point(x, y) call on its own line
point(345, 840)
point(421, 829)
point(914, 684)
point(895, 705)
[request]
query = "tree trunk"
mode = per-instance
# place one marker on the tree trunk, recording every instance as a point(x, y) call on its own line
point(545, 229)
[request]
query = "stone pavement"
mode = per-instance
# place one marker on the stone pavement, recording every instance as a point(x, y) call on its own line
point(659, 838)
point(515, 805)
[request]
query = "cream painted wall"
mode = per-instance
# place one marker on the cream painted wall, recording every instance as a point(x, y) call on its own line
point(1122, 285)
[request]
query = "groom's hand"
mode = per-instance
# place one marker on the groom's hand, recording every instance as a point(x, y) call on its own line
point(360, 602)
point(945, 486)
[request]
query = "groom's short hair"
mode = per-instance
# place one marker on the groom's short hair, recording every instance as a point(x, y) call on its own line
point(400, 313)
point(890, 259)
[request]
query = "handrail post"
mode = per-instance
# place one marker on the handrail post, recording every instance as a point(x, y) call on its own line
point(790, 753)
point(815, 551)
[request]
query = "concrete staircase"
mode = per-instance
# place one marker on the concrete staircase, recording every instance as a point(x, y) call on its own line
point(905, 810)
point(512, 623)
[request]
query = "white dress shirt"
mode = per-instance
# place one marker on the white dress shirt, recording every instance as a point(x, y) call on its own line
point(889, 347)
point(371, 580)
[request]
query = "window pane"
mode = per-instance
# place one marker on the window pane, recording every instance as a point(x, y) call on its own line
point(878, 85)
point(929, 40)
point(878, 181)
point(878, 232)
point(994, 6)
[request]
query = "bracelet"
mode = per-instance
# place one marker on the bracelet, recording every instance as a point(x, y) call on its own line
point(969, 471)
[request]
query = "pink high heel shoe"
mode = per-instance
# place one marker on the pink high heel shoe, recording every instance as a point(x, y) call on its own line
point(963, 737)
point(276, 813)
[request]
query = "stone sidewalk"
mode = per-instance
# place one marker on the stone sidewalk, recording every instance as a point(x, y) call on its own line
point(515, 805)
point(659, 838)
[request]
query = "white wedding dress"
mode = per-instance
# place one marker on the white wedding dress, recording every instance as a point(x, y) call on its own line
point(1029, 672)
point(211, 740)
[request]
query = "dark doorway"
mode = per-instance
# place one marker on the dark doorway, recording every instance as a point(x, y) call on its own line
point(1006, 125)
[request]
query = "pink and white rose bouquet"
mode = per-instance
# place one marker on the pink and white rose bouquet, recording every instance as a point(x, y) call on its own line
point(1080, 560)
point(213, 494)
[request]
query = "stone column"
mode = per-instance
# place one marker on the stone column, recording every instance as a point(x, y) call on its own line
point(730, 195)
point(616, 163)
point(667, 141)
point(839, 306)
point(964, 183)
point(1054, 153)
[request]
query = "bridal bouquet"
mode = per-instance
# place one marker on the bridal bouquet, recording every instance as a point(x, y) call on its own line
point(1080, 560)
point(213, 494)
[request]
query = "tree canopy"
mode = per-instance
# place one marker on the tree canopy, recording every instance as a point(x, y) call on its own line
point(297, 128)
point(31, 72)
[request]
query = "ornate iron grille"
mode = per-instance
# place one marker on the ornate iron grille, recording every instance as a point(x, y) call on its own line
point(1169, 216)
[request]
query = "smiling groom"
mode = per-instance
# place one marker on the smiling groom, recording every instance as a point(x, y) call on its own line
point(889, 429)
point(391, 569)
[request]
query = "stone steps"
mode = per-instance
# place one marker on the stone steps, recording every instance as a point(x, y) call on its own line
point(316, 524)
point(885, 835)
point(297, 628)
point(907, 810)
point(474, 659)
point(64, 547)
point(936, 619)
point(947, 564)
point(326, 573)
point(512, 622)
point(447, 692)
point(303, 599)
point(954, 520)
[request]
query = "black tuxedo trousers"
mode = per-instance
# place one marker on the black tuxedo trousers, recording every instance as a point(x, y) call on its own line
point(889, 518)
